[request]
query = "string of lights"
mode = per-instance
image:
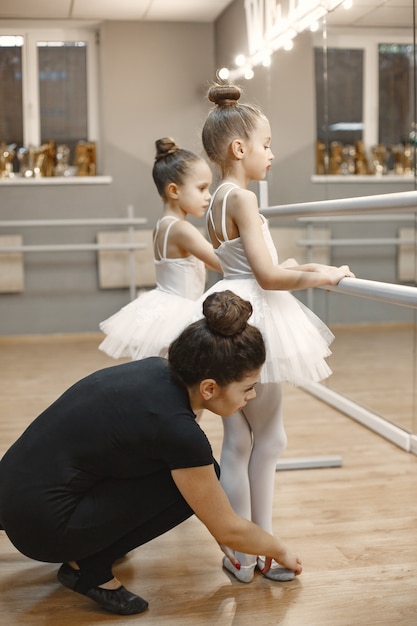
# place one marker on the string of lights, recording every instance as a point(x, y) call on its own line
point(271, 27)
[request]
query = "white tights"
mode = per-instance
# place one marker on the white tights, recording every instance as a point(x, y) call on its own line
point(253, 440)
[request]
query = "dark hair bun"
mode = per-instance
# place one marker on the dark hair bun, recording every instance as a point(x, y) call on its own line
point(165, 146)
point(226, 313)
point(224, 95)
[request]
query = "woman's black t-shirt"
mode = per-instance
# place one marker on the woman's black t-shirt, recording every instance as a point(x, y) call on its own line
point(127, 421)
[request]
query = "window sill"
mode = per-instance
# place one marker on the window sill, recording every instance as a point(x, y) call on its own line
point(57, 180)
point(389, 178)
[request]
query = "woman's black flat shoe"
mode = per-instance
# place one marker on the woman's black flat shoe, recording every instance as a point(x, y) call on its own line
point(68, 576)
point(120, 601)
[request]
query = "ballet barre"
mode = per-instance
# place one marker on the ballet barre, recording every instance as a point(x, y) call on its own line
point(367, 208)
point(129, 222)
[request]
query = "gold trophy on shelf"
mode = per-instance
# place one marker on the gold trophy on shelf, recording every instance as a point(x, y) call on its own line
point(37, 162)
point(47, 160)
point(7, 155)
point(85, 158)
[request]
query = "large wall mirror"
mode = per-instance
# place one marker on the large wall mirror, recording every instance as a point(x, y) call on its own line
point(366, 125)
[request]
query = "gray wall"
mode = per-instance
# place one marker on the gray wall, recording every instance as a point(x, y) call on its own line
point(286, 93)
point(152, 84)
point(154, 78)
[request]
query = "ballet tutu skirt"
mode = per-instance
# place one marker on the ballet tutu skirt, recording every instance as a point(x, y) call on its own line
point(297, 341)
point(146, 326)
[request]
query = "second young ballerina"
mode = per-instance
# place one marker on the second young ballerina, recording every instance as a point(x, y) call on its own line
point(147, 325)
point(237, 138)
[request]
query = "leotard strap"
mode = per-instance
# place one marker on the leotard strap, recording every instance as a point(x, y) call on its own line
point(223, 215)
point(173, 219)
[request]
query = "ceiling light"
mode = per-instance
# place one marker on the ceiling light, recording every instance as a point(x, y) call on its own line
point(270, 29)
point(266, 59)
point(223, 73)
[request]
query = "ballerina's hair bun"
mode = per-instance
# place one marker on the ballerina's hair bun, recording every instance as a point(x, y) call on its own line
point(222, 345)
point(164, 147)
point(224, 95)
point(226, 313)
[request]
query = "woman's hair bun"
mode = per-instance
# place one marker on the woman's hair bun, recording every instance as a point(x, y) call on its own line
point(224, 95)
point(165, 146)
point(226, 313)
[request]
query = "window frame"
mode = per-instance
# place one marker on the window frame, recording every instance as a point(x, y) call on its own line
point(367, 40)
point(30, 84)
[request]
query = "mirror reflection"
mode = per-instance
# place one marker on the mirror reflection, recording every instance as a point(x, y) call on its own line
point(365, 79)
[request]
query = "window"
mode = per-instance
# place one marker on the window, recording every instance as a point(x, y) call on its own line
point(364, 103)
point(395, 95)
point(49, 89)
point(11, 103)
point(63, 91)
point(339, 94)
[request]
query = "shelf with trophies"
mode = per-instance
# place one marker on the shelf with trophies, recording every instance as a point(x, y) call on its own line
point(50, 163)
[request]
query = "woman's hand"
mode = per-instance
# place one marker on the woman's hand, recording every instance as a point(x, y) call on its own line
point(288, 560)
point(202, 490)
point(230, 555)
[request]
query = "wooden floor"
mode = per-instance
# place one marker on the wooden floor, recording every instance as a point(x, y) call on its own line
point(355, 526)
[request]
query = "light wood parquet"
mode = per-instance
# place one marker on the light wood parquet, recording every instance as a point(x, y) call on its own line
point(355, 526)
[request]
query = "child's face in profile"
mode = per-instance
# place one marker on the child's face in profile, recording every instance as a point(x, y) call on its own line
point(258, 156)
point(194, 195)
